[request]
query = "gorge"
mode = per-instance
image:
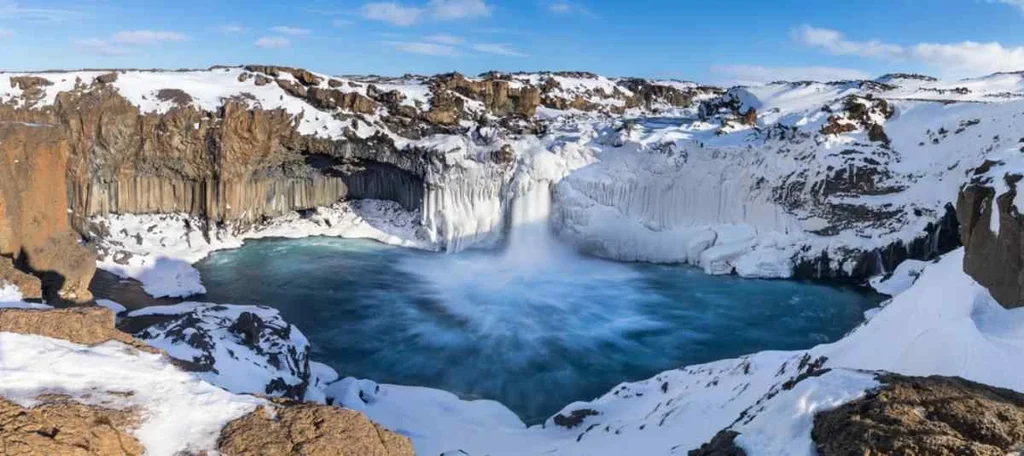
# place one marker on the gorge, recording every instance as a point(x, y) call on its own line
point(540, 237)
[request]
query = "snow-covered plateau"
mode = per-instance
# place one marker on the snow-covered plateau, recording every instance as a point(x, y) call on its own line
point(854, 180)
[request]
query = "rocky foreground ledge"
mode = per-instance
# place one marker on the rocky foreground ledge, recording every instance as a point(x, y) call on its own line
point(75, 385)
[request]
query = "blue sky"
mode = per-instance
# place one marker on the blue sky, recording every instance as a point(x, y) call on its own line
point(709, 41)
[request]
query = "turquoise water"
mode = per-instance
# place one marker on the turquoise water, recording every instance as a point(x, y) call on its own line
point(534, 332)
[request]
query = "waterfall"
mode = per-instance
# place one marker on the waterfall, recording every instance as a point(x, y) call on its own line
point(530, 237)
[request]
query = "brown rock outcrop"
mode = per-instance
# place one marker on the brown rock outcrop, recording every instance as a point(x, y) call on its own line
point(498, 95)
point(309, 430)
point(80, 325)
point(61, 427)
point(995, 260)
point(925, 416)
point(29, 285)
point(34, 225)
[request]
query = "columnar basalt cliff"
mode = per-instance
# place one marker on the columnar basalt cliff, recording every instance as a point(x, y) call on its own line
point(822, 180)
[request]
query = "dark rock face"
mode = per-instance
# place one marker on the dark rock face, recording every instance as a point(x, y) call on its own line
point(995, 260)
point(926, 416)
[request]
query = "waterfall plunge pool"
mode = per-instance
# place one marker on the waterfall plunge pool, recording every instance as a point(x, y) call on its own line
point(534, 327)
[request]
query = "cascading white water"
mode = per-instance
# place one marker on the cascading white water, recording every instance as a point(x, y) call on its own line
point(530, 237)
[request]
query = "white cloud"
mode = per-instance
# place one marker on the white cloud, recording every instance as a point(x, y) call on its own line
point(1015, 3)
point(6, 33)
point(126, 42)
point(294, 31)
point(146, 37)
point(459, 9)
point(273, 42)
point(952, 59)
point(342, 22)
point(102, 47)
point(565, 7)
point(434, 49)
point(443, 10)
point(835, 43)
point(499, 49)
point(392, 13)
point(755, 74)
point(15, 10)
point(230, 29)
point(445, 38)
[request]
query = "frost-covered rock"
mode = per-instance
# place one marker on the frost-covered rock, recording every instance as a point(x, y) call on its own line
point(244, 349)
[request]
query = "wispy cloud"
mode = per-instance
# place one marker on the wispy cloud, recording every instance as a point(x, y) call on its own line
point(445, 38)
point(101, 47)
point(6, 33)
point(459, 9)
point(342, 22)
point(273, 42)
point(392, 13)
point(146, 37)
point(965, 57)
point(499, 49)
point(403, 15)
point(230, 29)
point(424, 48)
point(15, 10)
point(127, 42)
point(568, 8)
point(294, 31)
point(835, 43)
point(1019, 4)
point(755, 74)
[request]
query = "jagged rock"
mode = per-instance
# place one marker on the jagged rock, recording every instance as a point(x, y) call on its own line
point(722, 444)
point(81, 325)
point(262, 80)
point(29, 82)
point(59, 426)
point(107, 78)
point(932, 416)
point(220, 342)
point(34, 227)
point(993, 256)
point(497, 95)
point(176, 96)
point(30, 286)
point(310, 430)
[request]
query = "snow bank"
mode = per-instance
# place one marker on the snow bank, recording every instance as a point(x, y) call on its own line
point(181, 414)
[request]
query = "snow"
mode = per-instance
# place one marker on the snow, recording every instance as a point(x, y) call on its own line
point(158, 250)
point(250, 359)
point(180, 414)
point(900, 280)
point(114, 306)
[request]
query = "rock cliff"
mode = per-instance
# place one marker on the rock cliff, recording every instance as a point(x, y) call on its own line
point(35, 231)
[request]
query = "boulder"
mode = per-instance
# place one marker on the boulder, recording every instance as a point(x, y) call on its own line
point(309, 430)
point(58, 426)
point(927, 416)
point(80, 325)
